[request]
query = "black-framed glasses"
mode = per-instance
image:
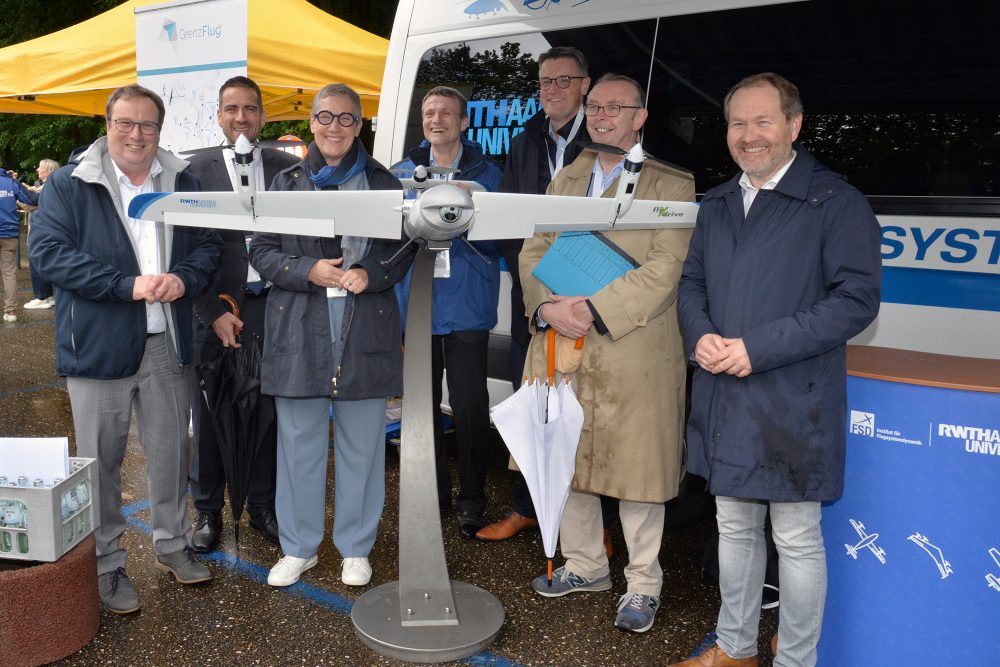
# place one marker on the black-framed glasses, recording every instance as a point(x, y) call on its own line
point(343, 119)
point(562, 81)
point(610, 110)
point(124, 125)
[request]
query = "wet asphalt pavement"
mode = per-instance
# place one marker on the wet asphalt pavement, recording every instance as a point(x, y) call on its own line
point(237, 619)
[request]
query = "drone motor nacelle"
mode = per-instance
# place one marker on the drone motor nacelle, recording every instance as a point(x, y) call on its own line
point(441, 213)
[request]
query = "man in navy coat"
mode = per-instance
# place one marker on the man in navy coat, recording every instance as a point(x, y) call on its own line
point(783, 269)
point(240, 111)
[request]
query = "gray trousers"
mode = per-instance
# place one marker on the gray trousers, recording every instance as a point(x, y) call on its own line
point(358, 459)
point(102, 410)
point(359, 471)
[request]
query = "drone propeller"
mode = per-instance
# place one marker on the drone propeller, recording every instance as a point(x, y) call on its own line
point(263, 143)
point(434, 171)
point(608, 148)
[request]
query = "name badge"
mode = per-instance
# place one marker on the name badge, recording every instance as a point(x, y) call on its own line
point(442, 264)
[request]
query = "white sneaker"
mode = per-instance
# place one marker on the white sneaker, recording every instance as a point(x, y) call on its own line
point(356, 571)
point(287, 570)
point(10, 316)
point(40, 304)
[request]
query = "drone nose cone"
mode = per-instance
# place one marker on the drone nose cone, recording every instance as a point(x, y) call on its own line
point(635, 154)
point(242, 145)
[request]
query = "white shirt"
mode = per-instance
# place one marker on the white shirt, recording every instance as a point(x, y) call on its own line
point(228, 158)
point(750, 191)
point(143, 233)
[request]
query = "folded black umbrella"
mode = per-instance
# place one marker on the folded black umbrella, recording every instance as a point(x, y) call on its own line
point(243, 418)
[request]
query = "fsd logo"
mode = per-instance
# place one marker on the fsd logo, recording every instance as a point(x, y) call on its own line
point(863, 423)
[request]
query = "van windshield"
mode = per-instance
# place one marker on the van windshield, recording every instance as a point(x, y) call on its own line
point(901, 96)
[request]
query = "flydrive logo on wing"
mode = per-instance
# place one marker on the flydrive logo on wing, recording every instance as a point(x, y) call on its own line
point(665, 212)
point(978, 440)
point(173, 32)
point(200, 203)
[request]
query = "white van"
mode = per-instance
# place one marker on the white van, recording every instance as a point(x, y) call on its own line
point(902, 97)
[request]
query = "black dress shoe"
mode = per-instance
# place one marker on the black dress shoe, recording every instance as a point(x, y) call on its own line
point(470, 523)
point(207, 530)
point(265, 523)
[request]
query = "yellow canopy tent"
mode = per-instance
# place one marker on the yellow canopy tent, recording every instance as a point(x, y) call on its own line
point(293, 50)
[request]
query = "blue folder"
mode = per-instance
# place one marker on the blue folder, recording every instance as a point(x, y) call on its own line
point(582, 264)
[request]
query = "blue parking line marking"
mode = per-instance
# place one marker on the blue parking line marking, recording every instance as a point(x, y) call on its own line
point(318, 596)
point(31, 390)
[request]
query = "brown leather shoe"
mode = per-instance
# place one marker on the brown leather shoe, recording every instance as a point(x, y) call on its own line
point(506, 528)
point(716, 657)
point(608, 547)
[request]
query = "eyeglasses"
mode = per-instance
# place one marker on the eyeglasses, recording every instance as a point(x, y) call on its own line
point(562, 81)
point(610, 110)
point(125, 126)
point(343, 119)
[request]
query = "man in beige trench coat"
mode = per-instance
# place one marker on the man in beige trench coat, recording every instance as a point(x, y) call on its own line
point(631, 378)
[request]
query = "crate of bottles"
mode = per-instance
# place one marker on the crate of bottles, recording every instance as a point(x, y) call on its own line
point(41, 523)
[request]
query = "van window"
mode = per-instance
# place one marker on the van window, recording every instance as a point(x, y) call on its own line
point(901, 97)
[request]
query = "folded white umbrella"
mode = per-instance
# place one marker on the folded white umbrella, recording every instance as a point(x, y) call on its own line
point(541, 425)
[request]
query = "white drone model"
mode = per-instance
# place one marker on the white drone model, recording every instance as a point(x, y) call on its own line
point(443, 209)
point(425, 615)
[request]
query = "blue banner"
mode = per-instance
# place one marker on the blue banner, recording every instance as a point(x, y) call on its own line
point(913, 546)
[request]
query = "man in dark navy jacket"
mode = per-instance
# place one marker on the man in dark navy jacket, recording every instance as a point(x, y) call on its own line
point(240, 111)
point(11, 192)
point(123, 326)
point(783, 269)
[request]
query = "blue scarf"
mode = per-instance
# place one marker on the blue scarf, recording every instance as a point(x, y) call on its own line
point(350, 166)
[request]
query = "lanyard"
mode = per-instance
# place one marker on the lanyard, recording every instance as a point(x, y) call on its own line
point(554, 167)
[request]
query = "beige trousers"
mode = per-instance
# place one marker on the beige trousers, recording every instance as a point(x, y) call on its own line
point(8, 267)
point(581, 538)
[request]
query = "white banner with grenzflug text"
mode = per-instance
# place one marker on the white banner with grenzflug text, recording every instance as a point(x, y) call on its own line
point(185, 50)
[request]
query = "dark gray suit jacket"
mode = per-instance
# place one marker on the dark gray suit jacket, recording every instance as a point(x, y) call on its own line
point(210, 169)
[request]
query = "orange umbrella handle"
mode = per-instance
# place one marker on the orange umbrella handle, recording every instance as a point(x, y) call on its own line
point(551, 350)
point(233, 306)
point(579, 344)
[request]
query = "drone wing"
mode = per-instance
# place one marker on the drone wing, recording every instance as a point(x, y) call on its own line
point(372, 213)
point(517, 216)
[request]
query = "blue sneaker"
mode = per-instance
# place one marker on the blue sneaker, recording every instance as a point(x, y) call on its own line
point(636, 611)
point(565, 582)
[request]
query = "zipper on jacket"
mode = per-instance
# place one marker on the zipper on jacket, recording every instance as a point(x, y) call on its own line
point(72, 326)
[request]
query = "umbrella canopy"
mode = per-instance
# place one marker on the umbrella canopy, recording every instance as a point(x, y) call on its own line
point(293, 50)
point(541, 425)
point(243, 418)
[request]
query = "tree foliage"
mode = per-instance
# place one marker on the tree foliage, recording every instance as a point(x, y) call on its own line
point(26, 138)
point(490, 74)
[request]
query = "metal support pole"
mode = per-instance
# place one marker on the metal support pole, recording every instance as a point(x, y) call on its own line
point(425, 616)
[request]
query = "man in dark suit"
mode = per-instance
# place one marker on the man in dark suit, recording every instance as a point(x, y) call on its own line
point(240, 112)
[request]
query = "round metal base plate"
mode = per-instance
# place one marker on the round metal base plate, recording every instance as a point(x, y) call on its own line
point(376, 621)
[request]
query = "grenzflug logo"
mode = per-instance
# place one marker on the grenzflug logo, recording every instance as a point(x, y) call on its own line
point(169, 31)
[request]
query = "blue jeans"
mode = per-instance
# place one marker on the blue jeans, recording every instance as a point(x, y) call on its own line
point(801, 572)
